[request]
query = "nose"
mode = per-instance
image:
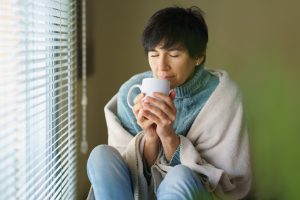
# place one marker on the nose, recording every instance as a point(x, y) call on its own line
point(163, 63)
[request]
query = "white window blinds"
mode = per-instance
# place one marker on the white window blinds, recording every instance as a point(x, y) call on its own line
point(37, 99)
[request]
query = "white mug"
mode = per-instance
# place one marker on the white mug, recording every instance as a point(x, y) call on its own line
point(149, 86)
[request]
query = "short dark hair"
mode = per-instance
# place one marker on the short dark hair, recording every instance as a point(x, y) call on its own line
point(176, 25)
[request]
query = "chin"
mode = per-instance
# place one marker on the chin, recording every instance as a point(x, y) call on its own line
point(172, 85)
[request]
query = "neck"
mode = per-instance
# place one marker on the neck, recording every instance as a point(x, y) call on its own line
point(193, 84)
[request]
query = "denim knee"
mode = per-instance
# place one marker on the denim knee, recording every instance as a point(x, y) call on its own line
point(180, 173)
point(181, 183)
point(102, 154)
point(102, 151)
point(109, 174)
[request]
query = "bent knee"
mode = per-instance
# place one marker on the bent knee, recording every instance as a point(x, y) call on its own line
point(101, 153)
point(103, 150)
point(181, 173)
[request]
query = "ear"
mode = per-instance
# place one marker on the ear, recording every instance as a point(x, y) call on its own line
point(199, 60)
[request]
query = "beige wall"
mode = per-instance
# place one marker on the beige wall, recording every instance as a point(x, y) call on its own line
point(256, 41)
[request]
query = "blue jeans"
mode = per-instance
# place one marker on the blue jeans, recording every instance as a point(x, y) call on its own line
point(110, 178)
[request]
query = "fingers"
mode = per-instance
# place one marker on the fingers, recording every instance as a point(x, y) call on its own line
point(164, 107)
point(138, 98)
point(142, 121)
point(137, 104)
point(160, 110)
point(157, 115)
point(166, 99)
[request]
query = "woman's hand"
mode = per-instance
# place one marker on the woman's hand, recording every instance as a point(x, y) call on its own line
point(147, 125)
point(152, 142)
point(162, 112)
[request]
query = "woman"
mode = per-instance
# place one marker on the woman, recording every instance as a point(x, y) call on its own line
point(192, 144)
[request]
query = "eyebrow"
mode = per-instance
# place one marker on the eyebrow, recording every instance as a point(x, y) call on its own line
point(175, 49)
point(169, 49)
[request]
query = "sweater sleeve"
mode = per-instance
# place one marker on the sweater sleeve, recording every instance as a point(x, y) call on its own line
point(175, 160)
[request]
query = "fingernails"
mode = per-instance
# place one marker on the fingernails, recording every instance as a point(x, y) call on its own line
point(147, 99)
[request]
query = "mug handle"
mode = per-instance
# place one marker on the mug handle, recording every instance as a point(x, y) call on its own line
point(129, 93)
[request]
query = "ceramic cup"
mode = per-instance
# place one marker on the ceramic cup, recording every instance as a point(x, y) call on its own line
point(149, 86)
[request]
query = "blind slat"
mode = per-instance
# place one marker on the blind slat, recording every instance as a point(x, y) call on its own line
point(38, 40)
point(61, 180)
point(40, 158)
point(51, 165)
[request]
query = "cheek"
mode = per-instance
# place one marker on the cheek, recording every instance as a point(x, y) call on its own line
point(151, 63)
point(153, 68)
point(186, 73)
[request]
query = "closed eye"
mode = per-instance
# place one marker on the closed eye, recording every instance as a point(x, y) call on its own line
point(174, 53)
point(153, 54)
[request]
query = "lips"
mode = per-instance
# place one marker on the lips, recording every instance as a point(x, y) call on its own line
point(167, 77)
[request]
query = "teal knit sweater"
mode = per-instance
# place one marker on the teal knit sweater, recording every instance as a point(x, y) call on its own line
point(189, 100)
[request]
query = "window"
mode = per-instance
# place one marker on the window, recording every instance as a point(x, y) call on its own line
point(37, 99)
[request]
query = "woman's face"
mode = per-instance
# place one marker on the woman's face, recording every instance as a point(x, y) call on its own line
point(173, 64)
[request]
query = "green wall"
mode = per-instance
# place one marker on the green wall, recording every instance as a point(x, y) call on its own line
point(257, 42)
